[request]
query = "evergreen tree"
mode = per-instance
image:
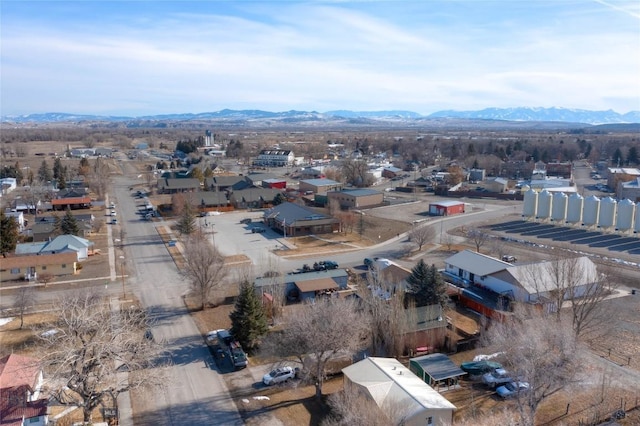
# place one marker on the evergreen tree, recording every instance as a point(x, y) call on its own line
point(618, 158)
point(57, 168)
point(61, 182)
point(8, 233)
point(69, 224)
point(426, 286)
point(278, 199)
point(44, 172)
point(248, 319)
point(632, 156)
point(187, 223)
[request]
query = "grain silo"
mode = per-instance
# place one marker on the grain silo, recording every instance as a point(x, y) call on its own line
point(544, 205)
point(574, 208)
point(530, 203)
point(624, 216)
point(636, 226)
point(559, 207)
point(607, 214)
point(590, 210)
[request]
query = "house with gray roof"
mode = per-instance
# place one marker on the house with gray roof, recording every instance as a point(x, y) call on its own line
point(174, 186)
point(256, 179)
point(60, 244)
point(254, 198)
point(469, 266)
point(295, 220)
point(303, 287)
point(226, 183)
point(207, 200)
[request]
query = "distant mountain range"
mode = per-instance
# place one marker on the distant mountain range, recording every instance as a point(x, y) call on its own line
point(345, 117)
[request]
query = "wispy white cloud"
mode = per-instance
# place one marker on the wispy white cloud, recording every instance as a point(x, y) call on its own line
point(329, 55)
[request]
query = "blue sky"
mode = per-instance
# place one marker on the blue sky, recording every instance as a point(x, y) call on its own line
point(154, 57)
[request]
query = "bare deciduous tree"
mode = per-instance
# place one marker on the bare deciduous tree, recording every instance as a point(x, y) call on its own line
point(24, 298)
point(325, 330)
point(350, 408)
point(87, 347)
point(46, 278)
point(537, 350)
point(203, 267)
point(420, 235)
point(478, 237)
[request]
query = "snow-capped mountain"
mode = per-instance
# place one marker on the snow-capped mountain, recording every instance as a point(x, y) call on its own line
point(346, 117)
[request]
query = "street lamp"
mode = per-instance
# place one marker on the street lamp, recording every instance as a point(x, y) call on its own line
point(122, 275)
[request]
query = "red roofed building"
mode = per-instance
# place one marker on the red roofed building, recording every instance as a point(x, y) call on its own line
point(71, 203)
point(20, 383)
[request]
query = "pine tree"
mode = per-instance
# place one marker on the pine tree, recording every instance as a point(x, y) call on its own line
point(426, 285)
point(8, 233)
point(57, 168)
point(44, 172)
point(248, 319)
point(187, 223)
point(69, 224)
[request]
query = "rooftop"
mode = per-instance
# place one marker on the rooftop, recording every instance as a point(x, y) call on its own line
point(476, 263)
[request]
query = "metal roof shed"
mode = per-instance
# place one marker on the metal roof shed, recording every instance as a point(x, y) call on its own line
point(436, 370)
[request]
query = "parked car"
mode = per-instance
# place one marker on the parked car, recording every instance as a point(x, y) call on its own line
point(325, 265)
point(114, 221)
point(279, 375)
point(245, 221)
point(496, 378)
point(113, 213)
point(511, 389)
point(258, 230)
point(478, 368)
point(509, 258)
point(368, 262)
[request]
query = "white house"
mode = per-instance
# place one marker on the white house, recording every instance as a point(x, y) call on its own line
point(275, 158)
point(8, 184)
point(530, 282)
point(19, 217)
point(398, 392)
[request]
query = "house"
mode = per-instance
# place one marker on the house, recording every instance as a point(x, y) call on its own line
point(629, 190)
point(397, 392)
point(19, 218)
point(390, 172)
point(303, 287)
point(254, 198)
point(497, 185)
point(20, 387)
point(44, 226)
point(256, 179)
point(294, 220)
point(208, 201)
point(621, 174)
point(436, 370)
point(15, 268)
point(318, 186)
point(356, 198)
point(494, 283)
point(446, 208)
point(274, 158)
point(8, 184)
point(477, 175)
point(61, 204)
point(177, 185)
point(60, 244)
point(226, 183)
point(311, 173)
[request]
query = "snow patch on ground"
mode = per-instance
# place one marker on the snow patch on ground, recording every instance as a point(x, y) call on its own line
point(4, 321)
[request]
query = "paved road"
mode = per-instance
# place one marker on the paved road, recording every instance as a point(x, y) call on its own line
point(196, 393)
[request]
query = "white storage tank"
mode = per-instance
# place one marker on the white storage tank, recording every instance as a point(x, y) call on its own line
point(624, 216)
point(590, 210)
point(559, 207)
point(636, 226)
point(530, 203)
point(544, 205)
point(574, 208)
point(607, 214)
